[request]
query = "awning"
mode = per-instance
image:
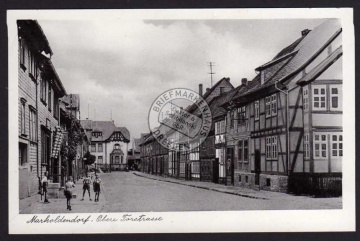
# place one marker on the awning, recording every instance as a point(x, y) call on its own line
point(57, 142)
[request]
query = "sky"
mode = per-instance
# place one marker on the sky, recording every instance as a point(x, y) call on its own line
point(120, 67)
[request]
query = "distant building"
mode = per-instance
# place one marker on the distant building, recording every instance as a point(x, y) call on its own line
point(134, 162)
point(109, 144)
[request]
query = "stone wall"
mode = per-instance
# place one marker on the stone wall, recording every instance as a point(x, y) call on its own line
point(274, 183)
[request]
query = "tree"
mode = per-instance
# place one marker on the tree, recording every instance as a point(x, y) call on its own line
point(72, 141)
point(89, 159)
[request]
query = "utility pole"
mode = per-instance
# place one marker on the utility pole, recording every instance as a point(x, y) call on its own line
point(211, 64)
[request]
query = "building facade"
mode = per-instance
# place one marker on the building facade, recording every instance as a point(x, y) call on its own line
point(39, 91)
point(290, 139)
point(281, 131)
point(109, 144)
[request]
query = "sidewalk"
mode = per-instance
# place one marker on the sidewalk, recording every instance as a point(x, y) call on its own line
point(306, 202)
point(33, 204)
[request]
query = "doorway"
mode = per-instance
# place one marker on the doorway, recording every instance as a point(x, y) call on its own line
point(257, 167)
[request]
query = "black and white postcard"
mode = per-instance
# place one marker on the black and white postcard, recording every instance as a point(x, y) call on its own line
point(163, 121)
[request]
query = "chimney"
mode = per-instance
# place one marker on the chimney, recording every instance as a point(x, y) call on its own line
point(207, 89)
point(305, 32)
point(200, 89)
point(244, 81)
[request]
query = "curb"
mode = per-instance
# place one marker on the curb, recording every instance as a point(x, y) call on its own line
point(206, 188)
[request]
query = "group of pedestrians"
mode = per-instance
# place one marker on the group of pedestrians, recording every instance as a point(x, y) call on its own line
point(70, 185)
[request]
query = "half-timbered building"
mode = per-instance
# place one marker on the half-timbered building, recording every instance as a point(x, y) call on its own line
point(288, 135)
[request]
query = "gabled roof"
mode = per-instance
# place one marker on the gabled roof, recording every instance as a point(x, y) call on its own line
point(107, 128)
point(33, 33)
point(207, 93)
point(306, 50)
point(320, 68)
point(137, 142)
point(193, 107)
point(72, 100)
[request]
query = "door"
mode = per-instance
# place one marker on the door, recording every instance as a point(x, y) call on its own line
point(216, 170)
point(230, 166)
point(257, 167)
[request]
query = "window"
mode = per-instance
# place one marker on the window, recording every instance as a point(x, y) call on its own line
point(217, 128)
point(93, 147)
point(121, 159)
point(45, 147)
point(271, 105)
point(96, 134)
point(32, 124)
point(22, 117)
point(267, 106)
point(100, 147)
point(246, 150)
point(320, 145)
point(49, 98)
point(56, 107)
point(337, 145)
point(194, 151)
point(334, 98)
point(222, 90)
point(117, 159)
point(220, 127)
point(321, 142)
point(306, 99)
point(232, 116)
point(271, 147)
point(32, 64)
point(100, 160)
point(242, 115)
point(22, 47)
point(243, 150)
point(319, 98)
point(306, 146)
point(22, 153)
point(43, 91)
point(257, 110)
point(116, 146)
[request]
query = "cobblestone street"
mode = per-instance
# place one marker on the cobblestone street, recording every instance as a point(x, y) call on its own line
point(139, 192)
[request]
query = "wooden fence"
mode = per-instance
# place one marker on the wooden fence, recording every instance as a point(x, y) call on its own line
point(316, 184)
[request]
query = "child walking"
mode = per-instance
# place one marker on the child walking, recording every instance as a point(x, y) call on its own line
point(96, 185)
point(86, 186)
point(69, 185)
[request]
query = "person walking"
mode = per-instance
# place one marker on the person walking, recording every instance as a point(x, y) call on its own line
point(86, 186)
point(44, 185)
point(69, 185)
point(96, 185)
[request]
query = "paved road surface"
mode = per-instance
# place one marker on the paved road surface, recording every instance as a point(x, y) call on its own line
point(126, 192)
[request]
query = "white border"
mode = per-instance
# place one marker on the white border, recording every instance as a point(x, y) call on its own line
point(224, 221)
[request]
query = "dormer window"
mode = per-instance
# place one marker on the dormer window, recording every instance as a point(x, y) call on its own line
point(96, 134)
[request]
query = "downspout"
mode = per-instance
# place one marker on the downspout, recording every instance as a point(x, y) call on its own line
point(286, 92)
point(37, 134)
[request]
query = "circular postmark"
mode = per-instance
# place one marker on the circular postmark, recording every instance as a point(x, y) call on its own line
point(180, 119)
